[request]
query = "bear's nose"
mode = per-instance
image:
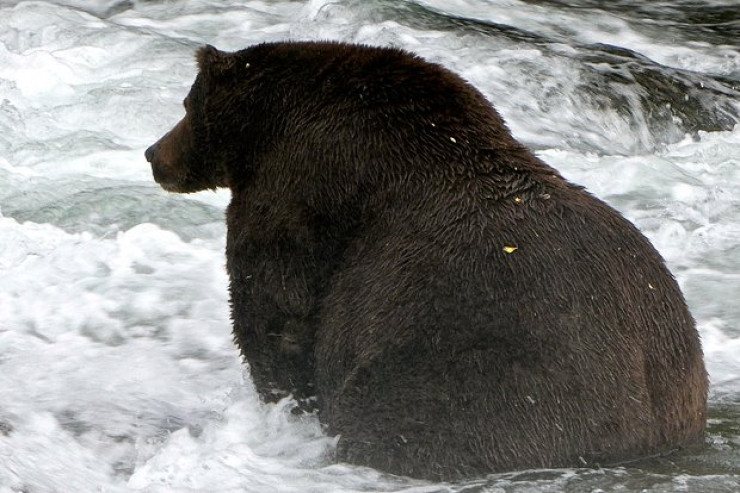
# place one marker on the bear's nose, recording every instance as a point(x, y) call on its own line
point(149, 153)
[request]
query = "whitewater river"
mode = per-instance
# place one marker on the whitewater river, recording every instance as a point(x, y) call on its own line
point(117, 369)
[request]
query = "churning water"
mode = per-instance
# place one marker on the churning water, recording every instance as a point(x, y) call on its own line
point(117, 370)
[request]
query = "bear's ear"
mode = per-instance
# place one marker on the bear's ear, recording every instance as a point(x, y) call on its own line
point(214, 62)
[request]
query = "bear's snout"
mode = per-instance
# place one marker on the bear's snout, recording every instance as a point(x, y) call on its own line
point(163, 174)
point(176, 164)
point(151, 152)
point(166, 158)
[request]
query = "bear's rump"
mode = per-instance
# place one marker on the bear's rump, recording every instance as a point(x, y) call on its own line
point(507, 357)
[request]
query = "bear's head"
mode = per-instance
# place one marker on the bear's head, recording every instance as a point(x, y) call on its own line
point(247, 106)
point(193, 155)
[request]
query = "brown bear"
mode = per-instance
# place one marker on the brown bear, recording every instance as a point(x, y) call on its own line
point(450, 303)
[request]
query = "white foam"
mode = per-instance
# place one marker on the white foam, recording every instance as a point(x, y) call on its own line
point(672, 48)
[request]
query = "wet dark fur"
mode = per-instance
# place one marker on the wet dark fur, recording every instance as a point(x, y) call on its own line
point(455, 306)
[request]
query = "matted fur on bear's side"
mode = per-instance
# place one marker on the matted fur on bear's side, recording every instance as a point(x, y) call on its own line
point(453, 304)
